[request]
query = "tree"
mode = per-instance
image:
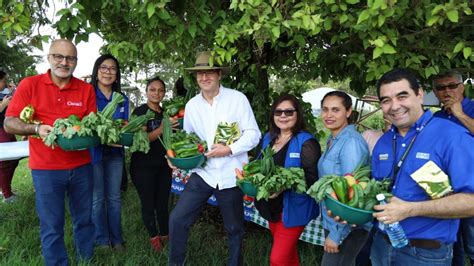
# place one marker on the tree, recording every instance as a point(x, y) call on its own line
point(18, 21)
point(298, 40)
point(16, 61)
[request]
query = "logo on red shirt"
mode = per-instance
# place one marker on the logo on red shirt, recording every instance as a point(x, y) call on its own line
point(69, 103)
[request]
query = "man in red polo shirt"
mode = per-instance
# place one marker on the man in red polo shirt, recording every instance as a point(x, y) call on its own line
point(57, 94)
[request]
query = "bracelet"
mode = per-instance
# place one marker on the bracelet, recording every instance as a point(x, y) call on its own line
point(37, 129)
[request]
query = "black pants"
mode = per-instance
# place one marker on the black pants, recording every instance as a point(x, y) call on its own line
point(153, 185)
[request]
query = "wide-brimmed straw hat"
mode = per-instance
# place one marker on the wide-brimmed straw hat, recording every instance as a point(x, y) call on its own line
point(202, 63)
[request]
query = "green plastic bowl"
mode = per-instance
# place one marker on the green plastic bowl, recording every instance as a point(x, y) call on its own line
point(188, 163)
point(77, 143)
point(248, 188)
point(348, 213)
point(126, 139)
point(181, 122)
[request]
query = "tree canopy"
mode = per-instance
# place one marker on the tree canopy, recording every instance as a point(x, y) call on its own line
point(297, 40)
point(16, 61)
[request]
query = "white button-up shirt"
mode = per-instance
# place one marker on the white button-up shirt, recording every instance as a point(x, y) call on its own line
point(202, 118)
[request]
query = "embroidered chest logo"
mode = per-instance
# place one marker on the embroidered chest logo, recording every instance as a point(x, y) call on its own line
point(422, 155)
point(70, 103)
point(294, 155)
point(383, 157)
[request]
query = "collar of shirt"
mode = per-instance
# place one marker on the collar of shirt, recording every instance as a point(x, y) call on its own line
point(101, 100)
point(216, 98)
point(465, 102)
point(47, 80)
point(348, 130)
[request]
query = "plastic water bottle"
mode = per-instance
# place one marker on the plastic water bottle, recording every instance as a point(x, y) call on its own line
point(394, 231)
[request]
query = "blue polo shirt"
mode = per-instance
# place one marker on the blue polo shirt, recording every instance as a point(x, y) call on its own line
point(449, 146)
point(467, 107)
point(120, 113)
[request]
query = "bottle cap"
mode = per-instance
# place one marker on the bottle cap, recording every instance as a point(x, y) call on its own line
point(380, 197)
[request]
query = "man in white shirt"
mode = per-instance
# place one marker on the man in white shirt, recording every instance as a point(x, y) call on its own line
point(215, 104)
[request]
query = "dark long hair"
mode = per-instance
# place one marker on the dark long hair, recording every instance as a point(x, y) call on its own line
point(299, 125)
point(3, 74)
point(156, 78)
point(95, 72)
point(346, 99)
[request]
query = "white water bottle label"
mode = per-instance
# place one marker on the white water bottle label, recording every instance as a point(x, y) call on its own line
point(381, 226)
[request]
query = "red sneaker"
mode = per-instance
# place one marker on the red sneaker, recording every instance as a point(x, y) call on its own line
point(156, 243)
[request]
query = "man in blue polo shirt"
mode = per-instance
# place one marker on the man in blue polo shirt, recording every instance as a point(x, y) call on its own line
point(449, 89)
point(429, 224)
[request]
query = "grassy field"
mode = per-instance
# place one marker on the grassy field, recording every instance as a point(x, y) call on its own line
point(20, 242)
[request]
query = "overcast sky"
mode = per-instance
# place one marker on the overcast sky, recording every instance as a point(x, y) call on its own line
point(87, 53)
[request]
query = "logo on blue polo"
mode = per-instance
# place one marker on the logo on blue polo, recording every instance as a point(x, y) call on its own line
point(294, 155)
point(122, 109)
point(383, 157)
point(422, 155)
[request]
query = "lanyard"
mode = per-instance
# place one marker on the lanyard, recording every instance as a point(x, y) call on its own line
point(397, 166)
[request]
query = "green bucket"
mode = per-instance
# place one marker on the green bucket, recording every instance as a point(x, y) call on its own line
point(126, 139)
point(348, 213)
point(188, 163)
point(248, 188)
point(77, 143)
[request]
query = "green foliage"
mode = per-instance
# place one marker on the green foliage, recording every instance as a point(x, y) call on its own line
point(298, 40)
point(375, 122)
point(16, 61)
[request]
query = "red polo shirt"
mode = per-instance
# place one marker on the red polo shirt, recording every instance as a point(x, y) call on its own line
point(50, 103)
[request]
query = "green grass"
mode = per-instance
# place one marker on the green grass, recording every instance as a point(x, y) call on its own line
point(20, 242)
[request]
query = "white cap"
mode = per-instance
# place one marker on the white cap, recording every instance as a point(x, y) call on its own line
point(380, 197)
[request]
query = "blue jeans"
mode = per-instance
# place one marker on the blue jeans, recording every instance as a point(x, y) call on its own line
point(383, 254)
point(51, 186)
point(465, 242)
point(106, 202)
point(348, 250)
point(190, 203)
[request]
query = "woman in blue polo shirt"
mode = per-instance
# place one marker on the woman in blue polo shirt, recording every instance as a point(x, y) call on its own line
point(107, 160)
point(288, 212)
point(346, 149)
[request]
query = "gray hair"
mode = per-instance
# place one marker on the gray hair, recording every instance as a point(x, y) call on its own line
point(449, 74)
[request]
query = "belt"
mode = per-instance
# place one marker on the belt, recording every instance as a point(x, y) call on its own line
point(419, 243)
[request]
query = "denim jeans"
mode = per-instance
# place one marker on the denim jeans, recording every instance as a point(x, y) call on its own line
point(190, 203)
point(348, 250)
point(106, 202)
point(465, 242)
point(383, 254)
point(51, 186)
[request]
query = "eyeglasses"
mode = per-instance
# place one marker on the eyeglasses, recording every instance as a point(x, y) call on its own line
point(448, 86)
point(288, 112)
point(59, 58)
point(105, 69)
point(206, 72)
